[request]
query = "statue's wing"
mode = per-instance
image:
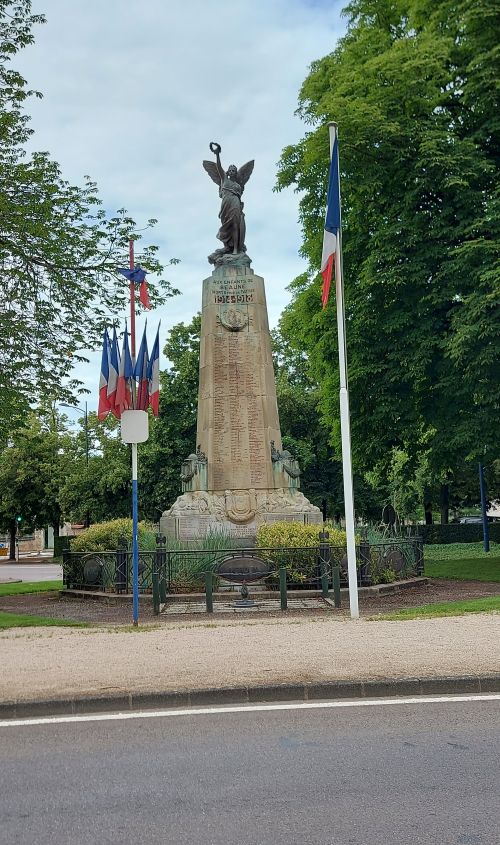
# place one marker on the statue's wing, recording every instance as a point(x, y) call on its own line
point(211, 168)
point(245, 172)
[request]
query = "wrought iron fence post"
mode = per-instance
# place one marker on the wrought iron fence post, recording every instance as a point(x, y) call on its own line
point(121, 580)
point(336, 585)
point(160, 564)
point(364, 562)
point(156, 592)
point(65, 555)
point(324, 560)
point(283, 595)
point(419, 555)
point(208, 592)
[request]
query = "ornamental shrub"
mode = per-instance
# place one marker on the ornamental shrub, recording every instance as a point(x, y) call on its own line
point(273, 535)
point(287, 544)
point(105, 536)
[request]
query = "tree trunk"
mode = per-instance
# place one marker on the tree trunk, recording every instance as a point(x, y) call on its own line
point(12, 540)
point(427, 507)
point(55, 529)
point(444, 503)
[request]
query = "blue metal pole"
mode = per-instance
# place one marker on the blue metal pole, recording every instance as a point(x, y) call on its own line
point(486, 530)
point(135, 540)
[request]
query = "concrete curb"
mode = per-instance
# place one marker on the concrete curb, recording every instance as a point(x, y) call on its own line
point(327, 690)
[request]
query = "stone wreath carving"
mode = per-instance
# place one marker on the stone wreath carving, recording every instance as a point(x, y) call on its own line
point(233, 319)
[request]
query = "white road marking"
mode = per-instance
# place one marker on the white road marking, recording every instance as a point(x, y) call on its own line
point(251, 708)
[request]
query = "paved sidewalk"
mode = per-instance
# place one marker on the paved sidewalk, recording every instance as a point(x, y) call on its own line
point(228, 657)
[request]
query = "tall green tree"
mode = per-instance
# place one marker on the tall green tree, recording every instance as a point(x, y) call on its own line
point(59, 250)
point(414, 88)
point(173, 434)
point(31, 471)
point(96, 485)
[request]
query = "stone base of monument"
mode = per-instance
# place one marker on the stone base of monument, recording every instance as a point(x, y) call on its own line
point(236, 513)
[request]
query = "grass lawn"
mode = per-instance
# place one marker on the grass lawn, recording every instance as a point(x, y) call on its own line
point(24, 620)
point(29, 587)
point(450, 608)
point(454, 551)
point(464, 569)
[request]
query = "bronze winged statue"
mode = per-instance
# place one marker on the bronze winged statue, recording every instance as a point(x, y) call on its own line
point(232, 219)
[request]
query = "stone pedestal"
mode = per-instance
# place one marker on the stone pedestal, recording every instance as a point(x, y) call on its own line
point(239, 476)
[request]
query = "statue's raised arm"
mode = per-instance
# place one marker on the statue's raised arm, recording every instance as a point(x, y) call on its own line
point(214, 168)
point(231, 186)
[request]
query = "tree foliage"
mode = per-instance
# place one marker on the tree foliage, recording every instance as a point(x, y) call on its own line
point(97, 486)
point(59, 250)
point(414, 88)
point(173, 434)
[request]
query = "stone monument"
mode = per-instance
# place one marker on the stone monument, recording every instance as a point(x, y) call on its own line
point(239, 476)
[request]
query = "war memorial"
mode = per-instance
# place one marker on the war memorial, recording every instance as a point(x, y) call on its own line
point(238, 475)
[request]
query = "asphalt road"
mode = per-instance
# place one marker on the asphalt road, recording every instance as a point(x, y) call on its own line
point(386, 775)
point(25, 571)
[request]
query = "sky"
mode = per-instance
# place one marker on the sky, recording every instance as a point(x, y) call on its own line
point(134, 91)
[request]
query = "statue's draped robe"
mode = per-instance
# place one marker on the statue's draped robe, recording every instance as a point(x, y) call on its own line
point(231, 212)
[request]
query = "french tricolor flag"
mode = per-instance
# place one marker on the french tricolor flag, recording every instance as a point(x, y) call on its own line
point(114, 366)
point(137, 276)
point(141, 375)
point(331, 236)
point(154, 376)
point(125, 377)
point(104, 407)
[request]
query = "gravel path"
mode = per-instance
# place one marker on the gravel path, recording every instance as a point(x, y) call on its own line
point(56, 662)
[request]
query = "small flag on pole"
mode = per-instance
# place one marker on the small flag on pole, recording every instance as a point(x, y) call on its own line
point(331, 236)
point(125, 376)
point(138, 275)
point(154, 375)
point(104, 407)
point(114, 366)
point(141, 375)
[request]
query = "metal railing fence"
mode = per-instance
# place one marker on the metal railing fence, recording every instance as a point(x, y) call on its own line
point(163, 570)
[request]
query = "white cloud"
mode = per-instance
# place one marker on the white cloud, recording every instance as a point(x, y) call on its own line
point(133, 93)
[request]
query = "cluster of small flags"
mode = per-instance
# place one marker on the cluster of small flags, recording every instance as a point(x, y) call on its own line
point(124, 386)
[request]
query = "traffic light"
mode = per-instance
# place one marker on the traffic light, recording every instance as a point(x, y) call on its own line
point(19, 518)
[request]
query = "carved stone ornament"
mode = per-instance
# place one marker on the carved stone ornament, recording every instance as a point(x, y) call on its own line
point(220, 258)
point(241, 505)
point(233, 319)
point(281, 501)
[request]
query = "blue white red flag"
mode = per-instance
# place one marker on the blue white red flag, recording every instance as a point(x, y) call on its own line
point(114, 366)
point(141, 375)
point(138, 276)
point(331, 236)
point(125, 378)
point(154, 375)
point(104, 407)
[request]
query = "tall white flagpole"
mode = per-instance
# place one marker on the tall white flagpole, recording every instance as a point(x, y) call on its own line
point(345, 427)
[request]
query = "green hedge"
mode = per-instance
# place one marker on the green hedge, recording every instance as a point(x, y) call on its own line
point(457, 533)
point(105, 536)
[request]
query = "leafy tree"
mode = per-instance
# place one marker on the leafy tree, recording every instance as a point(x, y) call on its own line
point(59, 250)
point(100, 489)
point(173, 434)
point(413, 86)
point(31, 469)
